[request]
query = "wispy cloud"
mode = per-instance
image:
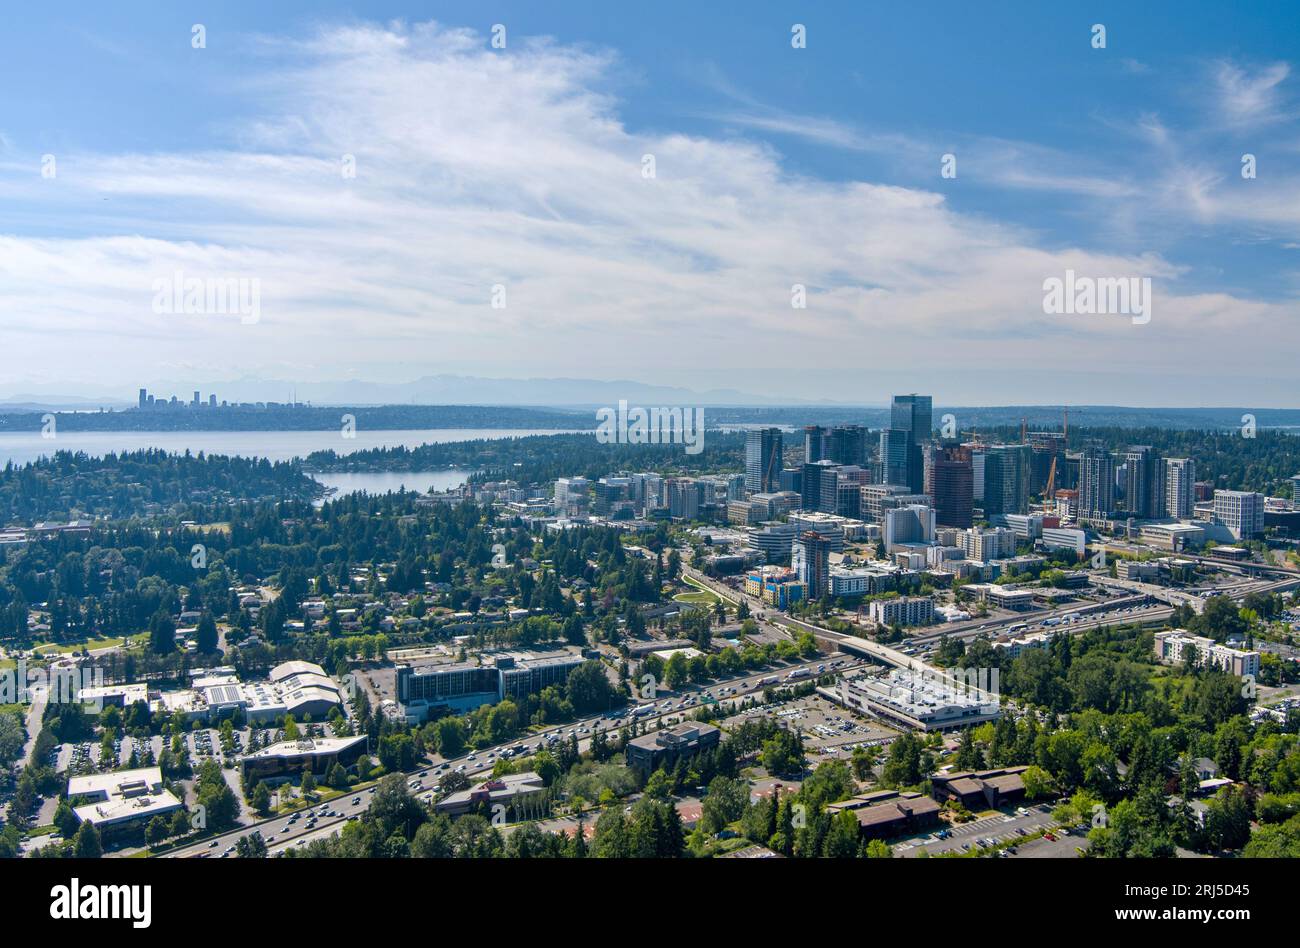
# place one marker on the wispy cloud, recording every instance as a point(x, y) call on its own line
point(1250, 97)
point(477, 168)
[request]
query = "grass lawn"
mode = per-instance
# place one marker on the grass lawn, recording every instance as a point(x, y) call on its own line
point(47, 648)
point(698, 595)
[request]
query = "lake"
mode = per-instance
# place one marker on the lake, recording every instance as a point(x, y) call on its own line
point(22, 447)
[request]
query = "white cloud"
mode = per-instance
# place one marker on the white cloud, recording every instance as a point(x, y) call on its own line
point(478, 167)
point(1250, 98)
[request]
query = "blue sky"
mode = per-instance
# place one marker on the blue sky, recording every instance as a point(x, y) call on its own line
point(820, 166)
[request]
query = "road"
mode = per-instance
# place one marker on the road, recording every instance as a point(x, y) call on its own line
point(286, 830)
point(853, 643)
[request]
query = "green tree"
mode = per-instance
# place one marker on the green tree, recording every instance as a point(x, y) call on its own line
point(86, 844)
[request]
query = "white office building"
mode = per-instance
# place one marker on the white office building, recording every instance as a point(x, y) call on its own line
point(910, 525)
point(1242, 512)
point(905, 611)
point(991, 544)
point(1172, 648)
point(1065, 538)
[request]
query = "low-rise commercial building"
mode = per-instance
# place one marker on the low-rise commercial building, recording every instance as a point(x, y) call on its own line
point(1004, 597)
point(1174, 537)
point(515, 795)
point(919, 701)
point(1068, 539)
point(121, 801)
point(1018, 646)
point(980, 789)
point(888, 813)
point(297, 688)
point(665, 747)
point(293, 758)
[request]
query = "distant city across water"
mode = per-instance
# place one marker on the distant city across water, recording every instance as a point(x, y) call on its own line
point(23, 447)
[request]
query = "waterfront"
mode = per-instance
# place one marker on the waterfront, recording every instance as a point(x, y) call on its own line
point(22, 447)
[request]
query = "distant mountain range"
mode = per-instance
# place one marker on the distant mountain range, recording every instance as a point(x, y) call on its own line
point(428, 390)
point(576, 396)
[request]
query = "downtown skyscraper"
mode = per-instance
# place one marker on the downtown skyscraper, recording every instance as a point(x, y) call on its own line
point(912, 418)
point(763, 450)
point(953, 483)
point(1006, 479)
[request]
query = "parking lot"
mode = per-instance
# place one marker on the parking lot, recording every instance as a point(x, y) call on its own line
point(985, 831)
point(829, 731)
point(86, 757)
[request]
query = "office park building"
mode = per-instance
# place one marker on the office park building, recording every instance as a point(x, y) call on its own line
point(922, 702)
point(431, 689)
point(121, 801)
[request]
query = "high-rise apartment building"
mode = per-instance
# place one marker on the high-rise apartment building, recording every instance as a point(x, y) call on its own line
point(811, 560)
point(911, 524)
point(1180, 487)
point(763, 450)
point(846, 444)
point(684, 495)
point(1144, 492)
point(1096, 483)
point(818, 479)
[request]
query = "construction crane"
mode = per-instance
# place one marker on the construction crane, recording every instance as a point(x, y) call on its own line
point(1050, 490)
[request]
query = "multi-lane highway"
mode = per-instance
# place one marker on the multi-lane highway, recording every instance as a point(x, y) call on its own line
point(323, 819)
point(281, 832)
